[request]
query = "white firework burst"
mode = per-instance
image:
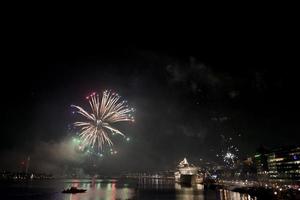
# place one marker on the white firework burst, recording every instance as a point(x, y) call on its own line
point(229, 151)
point(97, 126)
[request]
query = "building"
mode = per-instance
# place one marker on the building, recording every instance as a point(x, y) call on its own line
point(281, 164)
point(284, 164)
point(261, 163)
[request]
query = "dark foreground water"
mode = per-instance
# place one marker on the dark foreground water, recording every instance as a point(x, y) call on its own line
point(112, 189)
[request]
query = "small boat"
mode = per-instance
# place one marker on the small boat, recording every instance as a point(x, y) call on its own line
point(73, 190)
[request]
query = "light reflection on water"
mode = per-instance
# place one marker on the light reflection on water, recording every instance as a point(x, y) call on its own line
point(194, 192)
point(99, 190)
point(197, 192)
point(229, 195)
point(114, 190)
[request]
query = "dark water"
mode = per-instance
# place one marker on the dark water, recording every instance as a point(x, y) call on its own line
point(112, 190)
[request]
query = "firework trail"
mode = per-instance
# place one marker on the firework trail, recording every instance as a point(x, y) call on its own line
point(97, 126)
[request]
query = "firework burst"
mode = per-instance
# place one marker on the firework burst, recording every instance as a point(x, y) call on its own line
point(229, 151)
point(97, 127)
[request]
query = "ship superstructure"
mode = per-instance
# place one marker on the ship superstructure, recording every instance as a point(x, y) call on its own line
point(188, 173)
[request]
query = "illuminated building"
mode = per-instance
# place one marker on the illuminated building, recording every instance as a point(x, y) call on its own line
point(261, 162)
point(283, 164)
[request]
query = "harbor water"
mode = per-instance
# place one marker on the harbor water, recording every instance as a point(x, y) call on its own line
point(113, 189)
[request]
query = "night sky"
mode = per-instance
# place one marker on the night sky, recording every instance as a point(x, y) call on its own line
point(188, 91)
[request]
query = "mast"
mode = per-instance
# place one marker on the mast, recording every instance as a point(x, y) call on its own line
point(27, 164)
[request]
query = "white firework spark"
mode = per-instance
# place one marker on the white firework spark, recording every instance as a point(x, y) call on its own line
point(229, 158)
point(228, 151)
point(97, 126)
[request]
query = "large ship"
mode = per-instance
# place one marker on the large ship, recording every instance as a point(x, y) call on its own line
point(188, 173)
